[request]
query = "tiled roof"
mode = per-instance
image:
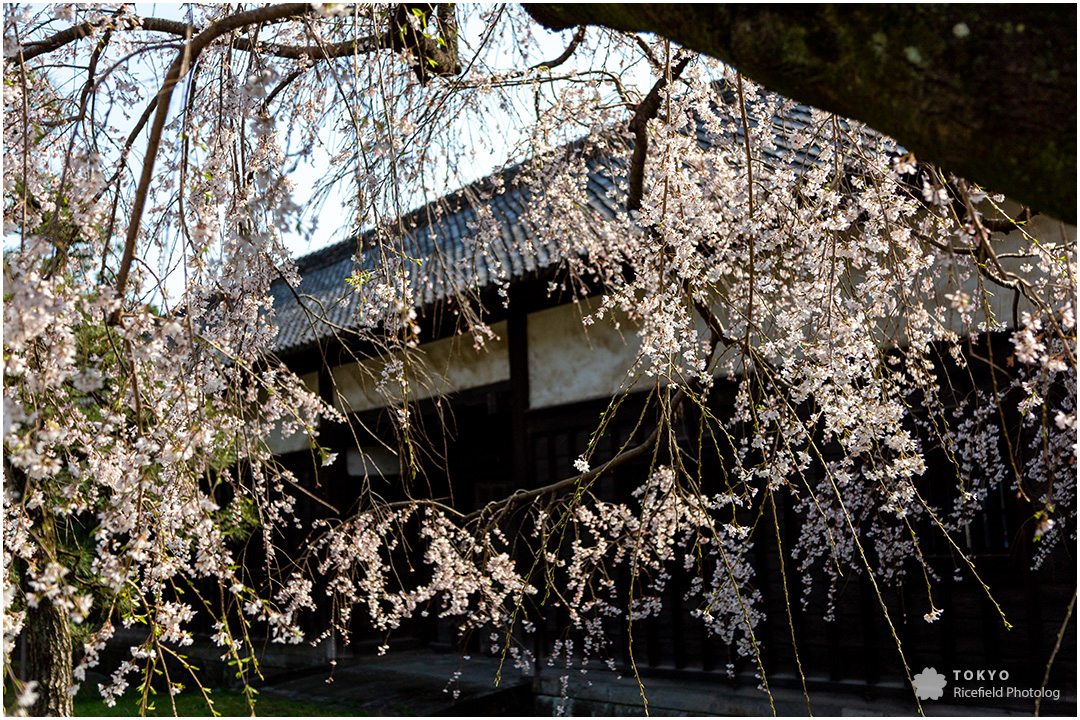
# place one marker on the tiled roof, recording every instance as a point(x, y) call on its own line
point(443, 237)
point(451, 226)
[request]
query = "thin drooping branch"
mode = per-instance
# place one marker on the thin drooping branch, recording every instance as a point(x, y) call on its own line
point(289, 79)
point(749, 211)
point(1054, 653)
point(1006, 225)
point(620, 459)
point(84, 100)
point(505, 80)
point(183, 62)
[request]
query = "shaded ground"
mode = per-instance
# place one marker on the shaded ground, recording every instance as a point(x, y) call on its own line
point(192, 704)
point(412, 682)
point(421, 682)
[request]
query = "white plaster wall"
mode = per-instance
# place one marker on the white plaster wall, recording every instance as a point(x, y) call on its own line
point(568, 364)
point(1045, 229)
point(371, 460)
point(437, 368)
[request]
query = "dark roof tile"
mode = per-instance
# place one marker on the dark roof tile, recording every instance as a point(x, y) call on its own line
point(445, 236)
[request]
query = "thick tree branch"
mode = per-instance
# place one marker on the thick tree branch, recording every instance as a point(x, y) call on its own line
point(57, 41)
point(86, 29)
point(346, 48)
point(318, 51)
point(646, 111)
point(574, 42)
point(648, 53)
point(986, 91)
point(435, 54)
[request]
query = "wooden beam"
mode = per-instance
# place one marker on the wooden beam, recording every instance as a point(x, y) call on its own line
point(517, 331)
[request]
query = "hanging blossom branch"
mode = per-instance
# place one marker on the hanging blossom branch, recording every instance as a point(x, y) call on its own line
point(179, 68)
point(443, 49)
point(119, 431)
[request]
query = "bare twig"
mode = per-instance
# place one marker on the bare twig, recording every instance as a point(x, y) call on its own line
point(750, 208)
point(281, 86)
point(1053, 655)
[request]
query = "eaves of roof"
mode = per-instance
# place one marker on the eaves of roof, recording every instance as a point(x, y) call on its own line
point(443, 236)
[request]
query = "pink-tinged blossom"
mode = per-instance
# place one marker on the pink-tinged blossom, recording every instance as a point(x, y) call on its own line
point(825, 294)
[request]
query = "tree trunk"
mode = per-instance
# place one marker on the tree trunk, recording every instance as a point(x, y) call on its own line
point(47, 635)
point(985, 91)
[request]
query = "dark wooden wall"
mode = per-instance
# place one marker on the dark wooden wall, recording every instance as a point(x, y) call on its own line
point(474, 456)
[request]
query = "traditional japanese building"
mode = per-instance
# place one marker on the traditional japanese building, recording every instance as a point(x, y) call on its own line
point(515, 412)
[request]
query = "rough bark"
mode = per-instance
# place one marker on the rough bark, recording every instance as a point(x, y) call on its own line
point(985, 91)
point(47, 635)
point(435, 56)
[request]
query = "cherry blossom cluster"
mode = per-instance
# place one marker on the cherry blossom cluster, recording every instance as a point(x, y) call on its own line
point(771, 248)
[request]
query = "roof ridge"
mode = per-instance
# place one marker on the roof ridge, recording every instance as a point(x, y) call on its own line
point(442, 230)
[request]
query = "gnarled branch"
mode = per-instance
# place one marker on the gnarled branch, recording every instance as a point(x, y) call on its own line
point(987, 91)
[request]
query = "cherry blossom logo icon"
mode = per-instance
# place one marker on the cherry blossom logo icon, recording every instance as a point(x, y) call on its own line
point(929, 684)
